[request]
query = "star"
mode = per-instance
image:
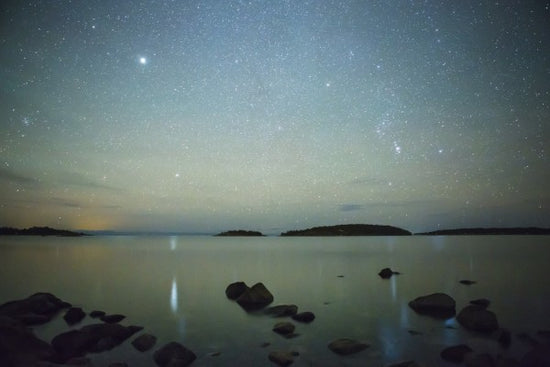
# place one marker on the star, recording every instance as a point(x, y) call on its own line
point(143, 60)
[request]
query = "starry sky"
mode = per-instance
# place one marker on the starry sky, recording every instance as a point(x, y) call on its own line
point(202, 116)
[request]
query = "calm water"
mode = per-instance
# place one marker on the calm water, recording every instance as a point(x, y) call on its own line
point(174, 286)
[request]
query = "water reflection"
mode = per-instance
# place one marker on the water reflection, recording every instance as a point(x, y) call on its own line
point(174, 296)
point(173, 243)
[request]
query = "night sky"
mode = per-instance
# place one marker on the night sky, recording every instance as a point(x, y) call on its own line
point(202, 116)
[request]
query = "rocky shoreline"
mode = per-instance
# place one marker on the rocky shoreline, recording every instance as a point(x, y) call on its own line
point(19, 346)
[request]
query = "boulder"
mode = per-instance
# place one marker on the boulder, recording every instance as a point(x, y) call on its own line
point(467, 282)
point(33, 310)
point(174, 354)
point(477, 318)
point(386, 273)
point(347, 346)
point(284, 328)
point(282, 310)
point(95, 314)
point(144, 342)
point(255, 298)
point(482, 302)
point(439, 305)
point(235, 290)
point(305, 317)
point(74, 315)
point(455, 353)
point(112, 319)
point(281, 358)
point(504, 338)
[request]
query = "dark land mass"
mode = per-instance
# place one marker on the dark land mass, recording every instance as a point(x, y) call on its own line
point(488, 231)
point(38, 231)
point(240, 233)
point(350, 230)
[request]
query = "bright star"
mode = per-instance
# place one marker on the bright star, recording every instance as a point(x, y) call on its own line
point(143, 60)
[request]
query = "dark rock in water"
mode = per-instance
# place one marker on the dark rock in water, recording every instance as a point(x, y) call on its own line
point(255, 298)
point(506, 362)
point(414, 332)
point(235, 290)
point(281, 358)
point(96, 314)
point(174, 355)
point(455, 353)
point(74, 315)
point(347, 346)
point(482, 302)
point(36, 309)
point(305, 317)
point(265, 344)
point(539, 356)
point(504, 338)
point(86, 362)
point(467, 282)
point(284, 328)
point(282, 310)
point(479, 360)
point(439, 305)
point(112, 319)
point(240, 233)
point(386, 273)
point(91, 338)
point(405, 364)
point(477, 318)
point(144, 342)
point(19, 346)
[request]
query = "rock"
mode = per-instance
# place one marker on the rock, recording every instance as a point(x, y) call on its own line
point(255, 298)
point(467, 282)
point(144, 342)
point(112, 319)
point(96, 314)
point(19, 346)
point(81, 361)
point(386, 273)
point(282, 310)
point(347, 346)
point(33, 310)
point(506, 362)
point(174, 355)
point(477, 318)
point(265, 344)
point(305, 317)
point(281, 358)
point(91, 339)
point(405, 364)
point(414, 332)
point(439, 305)
point(74, 315)
point(504, 338)
point(284, 328)
point(479, 360)
point(119, 364)
point(539, 356)
point(235, 290)
point(455, 353)
point(482, 302)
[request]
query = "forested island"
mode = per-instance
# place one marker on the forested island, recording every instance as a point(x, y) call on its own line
point(38, 231)
point(350, 230)
point(240, 233)
point(488, 231)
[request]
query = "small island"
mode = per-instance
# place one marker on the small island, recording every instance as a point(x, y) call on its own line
point(488, 231)
point(240, 233)
point(38, 231)
point(350, 230)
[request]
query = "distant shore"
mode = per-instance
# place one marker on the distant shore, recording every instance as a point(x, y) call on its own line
point(39, 231)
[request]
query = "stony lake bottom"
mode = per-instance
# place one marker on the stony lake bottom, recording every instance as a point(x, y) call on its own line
point(174, 287)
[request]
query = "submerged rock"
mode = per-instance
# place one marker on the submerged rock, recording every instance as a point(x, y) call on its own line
point(74, 315)
point(282, 310)
point(305, 317)
point(439, 305)
point(34, 310)
point(455, 353)
point(255, 298)
point(482, 302)
point(477, 318)
point(284, 328)
point(281, 358)
point(144, 342)
point(386, 273)
point(112, 319)
point(95, 314)
point(174, 354)
point(347, 346)
point(467, 282)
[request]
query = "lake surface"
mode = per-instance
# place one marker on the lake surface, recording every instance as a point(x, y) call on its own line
point(175, 288)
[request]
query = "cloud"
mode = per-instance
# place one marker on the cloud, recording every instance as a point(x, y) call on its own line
point(76, 179)
point(351, 207)
point(10, 175)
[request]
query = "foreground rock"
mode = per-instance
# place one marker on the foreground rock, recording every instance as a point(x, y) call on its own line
point(255, 298)
point(144, 342)
point(74, 315)
point(477, 318)
point(282, 310)
point(439, 305)
point(174, 355)
point(284, 328)
point(305, 317)
point(34, 310)
point(281, 358)
point(387, 273)
point(347, 346)
point(455, 353)
point(235, 290)
point(93, 338)
point(19, 346)
point(112, 319)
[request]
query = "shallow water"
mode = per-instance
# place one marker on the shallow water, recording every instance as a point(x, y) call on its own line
point(174, 287)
